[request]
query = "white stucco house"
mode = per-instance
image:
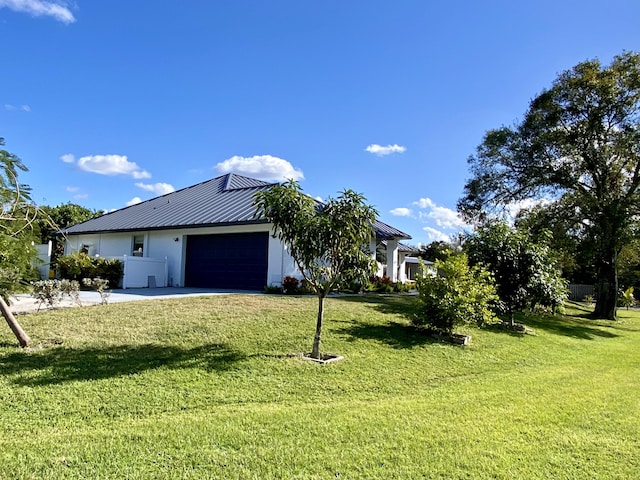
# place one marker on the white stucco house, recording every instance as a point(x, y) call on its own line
point(206, 235)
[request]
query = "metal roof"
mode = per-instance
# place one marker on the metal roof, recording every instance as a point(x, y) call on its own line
point(403, 248)
point(224, 200)
point(387, 232)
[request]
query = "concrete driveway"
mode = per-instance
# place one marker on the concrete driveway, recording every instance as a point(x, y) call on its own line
point(25, 303)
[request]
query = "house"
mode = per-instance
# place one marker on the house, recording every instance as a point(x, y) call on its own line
point(208, 236)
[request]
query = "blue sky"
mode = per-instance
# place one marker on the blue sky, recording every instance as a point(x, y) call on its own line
point(112, 102)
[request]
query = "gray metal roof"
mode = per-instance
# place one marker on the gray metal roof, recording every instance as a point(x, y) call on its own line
point(403, 248)
point(224, 200)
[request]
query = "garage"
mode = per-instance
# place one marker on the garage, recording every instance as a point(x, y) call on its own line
point(233, 261)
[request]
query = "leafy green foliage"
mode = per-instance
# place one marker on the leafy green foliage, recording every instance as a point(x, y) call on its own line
point(437, 250)
point(626, 299)
point(578, 144)
point(525, 272)
point(17, 215)
point(460, 295)
point(78, 266)
point(53, 219)
point(328, 242)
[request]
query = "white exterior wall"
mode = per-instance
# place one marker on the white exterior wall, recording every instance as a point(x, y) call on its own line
point(162, 243)
point(392, 260)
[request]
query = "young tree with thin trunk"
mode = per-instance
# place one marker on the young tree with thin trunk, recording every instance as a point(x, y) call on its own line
point(328, 241)
point(579, 144)
point(17, 216)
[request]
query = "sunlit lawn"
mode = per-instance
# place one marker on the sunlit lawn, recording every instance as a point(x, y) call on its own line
point(214, 387)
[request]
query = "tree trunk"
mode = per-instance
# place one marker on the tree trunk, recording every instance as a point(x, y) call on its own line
point(15, 327)
point(607, 286)
point(315, 351)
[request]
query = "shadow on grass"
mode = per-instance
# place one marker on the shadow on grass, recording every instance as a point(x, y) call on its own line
point(394, 303)
point(397, 335)
point(576, 325)
point(59, 365)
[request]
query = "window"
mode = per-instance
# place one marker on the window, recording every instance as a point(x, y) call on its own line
point(138, 245)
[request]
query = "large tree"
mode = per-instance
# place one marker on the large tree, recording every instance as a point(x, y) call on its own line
point(525, 271)
point(53, 219)
point(328, 241)
point(579, 143)
point(17, 217)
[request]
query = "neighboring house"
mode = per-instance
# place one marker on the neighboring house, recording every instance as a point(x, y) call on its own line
point(209, 235)
point(408, 265)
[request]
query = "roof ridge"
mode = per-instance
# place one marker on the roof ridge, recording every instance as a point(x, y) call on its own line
point(227, 182)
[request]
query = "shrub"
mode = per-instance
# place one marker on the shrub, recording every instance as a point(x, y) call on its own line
point(290, 285)
point(100, 285)
point(306, 288)
point(461, 295)
point(110, 269)
point(380, 285)
point(75, 266)
point(272, 289)
point(51, 292)
point(78, 266)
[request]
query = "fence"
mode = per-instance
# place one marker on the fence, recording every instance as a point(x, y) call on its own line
point(578, 292)
point(143, 272)
point(44, 260)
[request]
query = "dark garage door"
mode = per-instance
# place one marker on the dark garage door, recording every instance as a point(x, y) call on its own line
point(236, 260)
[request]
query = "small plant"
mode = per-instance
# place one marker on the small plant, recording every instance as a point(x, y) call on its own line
point(272, 289)
point(380, 285)
point(100, 285)
point(588, 299)
point(627, 299)
point(290, 285)
point(51, 292)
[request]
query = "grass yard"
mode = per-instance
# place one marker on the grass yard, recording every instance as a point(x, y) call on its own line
point(212, 387)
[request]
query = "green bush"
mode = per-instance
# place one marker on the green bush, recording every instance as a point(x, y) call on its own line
point(273, 289)
point(79, 265)
point(461, 295)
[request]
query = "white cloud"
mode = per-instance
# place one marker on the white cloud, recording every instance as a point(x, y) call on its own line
point(68, 158)
point(446, 218)
point(81, 196)
point(263, 167)
point(72, 189)
point(401, 212)
point(381, 151)
point(424, 203)
point(38, 8)
point(9, 107)
point(133, 201)
point(436, 235)
point(112, 165)
point(442, 216)
point(157, 188)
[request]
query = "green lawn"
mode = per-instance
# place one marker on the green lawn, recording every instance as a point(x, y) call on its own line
point(213, 387)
